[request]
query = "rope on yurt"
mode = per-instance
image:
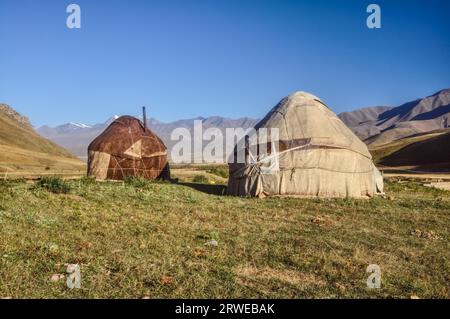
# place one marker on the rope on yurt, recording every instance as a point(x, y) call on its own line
point(255, 166)
point(118, 164)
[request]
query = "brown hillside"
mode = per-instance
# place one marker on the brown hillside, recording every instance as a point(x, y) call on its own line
point(22, 149)
point(433, 152)
point(378, 125)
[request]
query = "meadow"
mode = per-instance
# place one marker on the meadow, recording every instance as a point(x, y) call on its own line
point(141, 239)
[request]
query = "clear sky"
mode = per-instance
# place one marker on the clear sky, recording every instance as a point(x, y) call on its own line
point(189, 58)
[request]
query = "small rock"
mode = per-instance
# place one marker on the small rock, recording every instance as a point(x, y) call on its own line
point(317, 220)
point(166, 280)
point(416, 232)
point(432, 235)
point(212, 243)
point(56, 277)
point(415, 297)
point(424, 234)
point(322, 220)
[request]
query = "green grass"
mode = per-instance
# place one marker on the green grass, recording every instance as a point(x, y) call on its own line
point(149, 240)
point(54, 184)
point(136, 181)
point(200, 179)
point(219, 171)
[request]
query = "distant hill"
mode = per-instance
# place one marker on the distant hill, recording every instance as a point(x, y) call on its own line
point(76, 136)
point(380, 125)
point(21, 148)
point(362, 121)
point(426, 151)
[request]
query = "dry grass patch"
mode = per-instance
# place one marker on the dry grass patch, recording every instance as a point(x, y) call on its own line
point(248, 274)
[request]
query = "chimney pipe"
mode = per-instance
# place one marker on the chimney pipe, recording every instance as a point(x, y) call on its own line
point(144, 117)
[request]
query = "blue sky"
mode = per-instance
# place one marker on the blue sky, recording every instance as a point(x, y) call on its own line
point(188, 58)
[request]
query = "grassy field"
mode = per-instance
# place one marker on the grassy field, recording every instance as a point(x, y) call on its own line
point(147, 240)
point(17, 162)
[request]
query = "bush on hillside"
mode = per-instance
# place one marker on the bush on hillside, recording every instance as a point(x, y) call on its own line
point(54, 184)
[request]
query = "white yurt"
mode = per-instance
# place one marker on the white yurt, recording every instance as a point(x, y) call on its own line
point(316, 154)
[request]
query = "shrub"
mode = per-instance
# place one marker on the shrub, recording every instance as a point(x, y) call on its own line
point(12, 182)
point(200, 179)
point(54, 184)
point(136, 181)
point(219, 171)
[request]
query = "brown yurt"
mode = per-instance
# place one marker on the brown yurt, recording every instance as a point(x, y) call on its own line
point(127, 148)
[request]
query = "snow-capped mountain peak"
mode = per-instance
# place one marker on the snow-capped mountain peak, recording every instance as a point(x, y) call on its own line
point(80, 125)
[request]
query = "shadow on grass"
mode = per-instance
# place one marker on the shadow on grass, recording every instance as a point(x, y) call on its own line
point(207, 188)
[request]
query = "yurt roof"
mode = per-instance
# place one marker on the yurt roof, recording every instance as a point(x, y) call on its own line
point(302, 115)
point(125, 132)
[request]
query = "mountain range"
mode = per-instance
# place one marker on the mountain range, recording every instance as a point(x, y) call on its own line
point(76, 137)
point(376, 125)
point(383, 124)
